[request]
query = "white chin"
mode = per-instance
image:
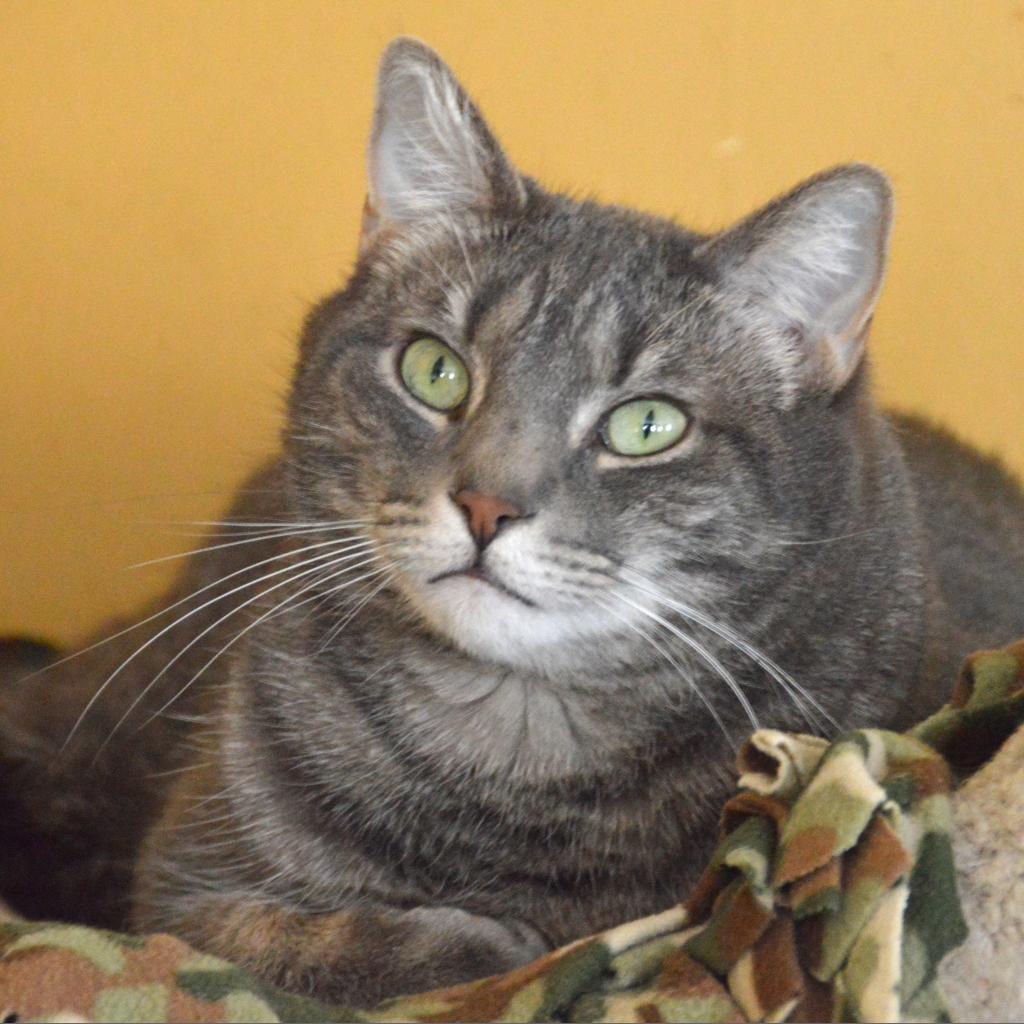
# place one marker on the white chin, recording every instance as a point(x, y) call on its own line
point(495, 626)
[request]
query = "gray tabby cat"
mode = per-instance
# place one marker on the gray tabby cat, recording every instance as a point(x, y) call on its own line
point(569, 498)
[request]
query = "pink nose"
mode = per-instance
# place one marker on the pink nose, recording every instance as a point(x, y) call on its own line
point(484, 514)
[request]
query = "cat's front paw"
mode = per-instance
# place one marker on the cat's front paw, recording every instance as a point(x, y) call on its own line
point(486, 945)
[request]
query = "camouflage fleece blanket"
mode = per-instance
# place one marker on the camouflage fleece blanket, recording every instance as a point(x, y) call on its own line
point(832, 896)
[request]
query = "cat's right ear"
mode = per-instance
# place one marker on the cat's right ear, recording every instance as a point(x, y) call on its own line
point(431, 154)
point(808, 270)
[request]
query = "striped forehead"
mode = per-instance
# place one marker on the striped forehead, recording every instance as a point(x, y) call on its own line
point(583, 327)
point(598, 329)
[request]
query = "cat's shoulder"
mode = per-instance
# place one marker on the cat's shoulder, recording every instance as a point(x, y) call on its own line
point(970, 513)
point(944, 465)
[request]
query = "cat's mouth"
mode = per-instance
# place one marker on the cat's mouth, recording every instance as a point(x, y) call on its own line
point(478, 572)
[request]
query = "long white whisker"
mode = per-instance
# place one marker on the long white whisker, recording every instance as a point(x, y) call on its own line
point(326, 574)
point(181, 770)
point(170, 607)
point(252, 625)
point(779, 674)
point(234, 611)
point(704, 654)
point(667, 655)
point(96, 696)
point(246, 540)
point(252, 524)
point(797, 693)
point(349, 616)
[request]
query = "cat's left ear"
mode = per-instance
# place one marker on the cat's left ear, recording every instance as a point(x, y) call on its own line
point(431, 154)
point(810, 267)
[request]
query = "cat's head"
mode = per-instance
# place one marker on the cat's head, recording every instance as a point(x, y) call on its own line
point(555, 417)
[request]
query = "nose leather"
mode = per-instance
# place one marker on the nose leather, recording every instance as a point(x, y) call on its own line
point(485, 513)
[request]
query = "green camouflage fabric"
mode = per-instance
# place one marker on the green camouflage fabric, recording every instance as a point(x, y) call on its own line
point(831, 897)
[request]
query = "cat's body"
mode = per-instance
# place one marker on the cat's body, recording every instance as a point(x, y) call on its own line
point(445, 775)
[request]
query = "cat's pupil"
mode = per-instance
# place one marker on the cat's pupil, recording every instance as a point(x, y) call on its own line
point(437, 371)
point(648, 424)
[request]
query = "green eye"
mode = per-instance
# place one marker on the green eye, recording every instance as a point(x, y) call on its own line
point(644, 427)
point(434, 374)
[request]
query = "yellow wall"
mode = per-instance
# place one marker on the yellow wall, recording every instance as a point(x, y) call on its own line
point(179, 179)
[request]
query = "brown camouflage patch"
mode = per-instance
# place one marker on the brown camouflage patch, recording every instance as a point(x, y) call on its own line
point(817, 1004)
point(930, 774)
point(752, 805)
point(817, 891)
point(649, 1013)
point(963, 688)
point(810, 940)
point(880, 857)
point(683, 977)
point(810, 847)
point(702, 899)
point(776, 968)
point(41, 980)
point(489, 999)
point(34, 984)
point(737, 921)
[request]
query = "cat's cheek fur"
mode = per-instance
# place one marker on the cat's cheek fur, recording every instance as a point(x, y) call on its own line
point(438, 543)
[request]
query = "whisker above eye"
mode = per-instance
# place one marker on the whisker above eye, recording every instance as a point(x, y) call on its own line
point(663, 325)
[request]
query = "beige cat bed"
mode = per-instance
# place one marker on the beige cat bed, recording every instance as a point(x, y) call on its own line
point(983, 980)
